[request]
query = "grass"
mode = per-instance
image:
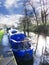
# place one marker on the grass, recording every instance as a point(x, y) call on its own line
point(1, 34)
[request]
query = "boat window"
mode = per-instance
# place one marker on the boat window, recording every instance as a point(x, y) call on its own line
point(26, 44)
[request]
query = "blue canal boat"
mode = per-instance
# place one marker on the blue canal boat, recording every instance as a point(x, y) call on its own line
point(12, 31)
point(21, 48)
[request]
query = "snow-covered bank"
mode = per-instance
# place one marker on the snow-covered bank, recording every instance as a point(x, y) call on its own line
point(43, 42)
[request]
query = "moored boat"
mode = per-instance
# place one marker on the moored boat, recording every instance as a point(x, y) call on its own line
point(21, 47)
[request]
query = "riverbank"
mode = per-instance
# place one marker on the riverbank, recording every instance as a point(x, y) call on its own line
point(1, 35)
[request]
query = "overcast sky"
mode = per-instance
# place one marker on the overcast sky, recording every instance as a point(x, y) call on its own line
point(11, 10)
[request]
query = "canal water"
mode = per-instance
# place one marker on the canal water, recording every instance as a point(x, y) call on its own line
point(42, 41)
point(5, 43)
point(5, 47)
point(6, 54)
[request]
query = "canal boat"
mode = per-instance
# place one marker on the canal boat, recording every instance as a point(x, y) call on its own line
point(21, 48)
point(12, 31)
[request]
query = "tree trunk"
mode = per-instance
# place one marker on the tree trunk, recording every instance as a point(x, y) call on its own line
point(36, 45)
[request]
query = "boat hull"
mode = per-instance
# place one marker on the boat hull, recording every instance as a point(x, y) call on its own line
point(23, 57)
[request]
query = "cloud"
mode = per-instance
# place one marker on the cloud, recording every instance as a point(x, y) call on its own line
point(14, 6)
point(1, 4)
point(10, 3)
point(9, 19)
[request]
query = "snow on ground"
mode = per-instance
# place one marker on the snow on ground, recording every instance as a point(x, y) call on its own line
point(42, 41)
point(41, 45)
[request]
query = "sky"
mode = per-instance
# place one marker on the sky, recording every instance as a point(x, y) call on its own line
point(8, 7)
point(11, 10)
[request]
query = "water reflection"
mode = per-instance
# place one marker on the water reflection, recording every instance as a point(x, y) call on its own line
point(5, 43)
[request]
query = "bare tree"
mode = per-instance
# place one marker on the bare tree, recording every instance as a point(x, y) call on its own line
point(25, 20)
point(36, 18)
point(35, 13)
point(44, 15)
point(22, 24)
